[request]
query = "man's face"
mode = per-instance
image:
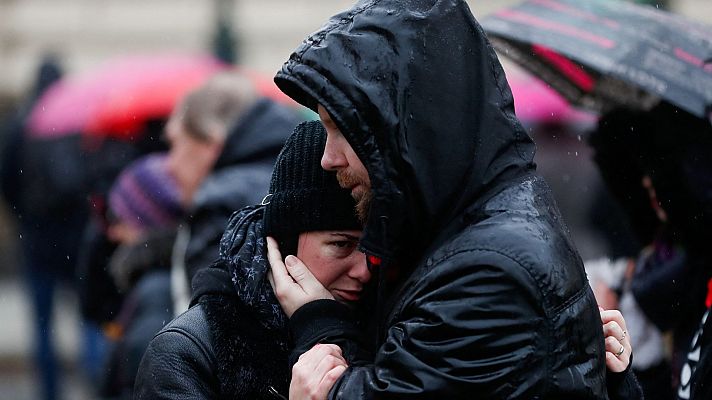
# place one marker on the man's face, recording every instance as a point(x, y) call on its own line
point(334, 260)
point(190, 160)
point(339, 156)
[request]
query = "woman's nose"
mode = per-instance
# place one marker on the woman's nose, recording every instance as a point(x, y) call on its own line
point(360, 270)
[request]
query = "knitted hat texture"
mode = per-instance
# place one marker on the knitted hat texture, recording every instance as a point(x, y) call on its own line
point(145, 195)
point(303, 196)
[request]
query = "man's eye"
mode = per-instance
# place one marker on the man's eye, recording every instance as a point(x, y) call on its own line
point(342, 243)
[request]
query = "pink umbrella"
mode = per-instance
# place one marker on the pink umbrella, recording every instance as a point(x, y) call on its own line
point(537, 103)
point(154, 92)
point(118, 96)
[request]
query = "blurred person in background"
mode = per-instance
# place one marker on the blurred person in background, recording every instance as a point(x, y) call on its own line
point(657, 165)
point(43, 181)
point(99, 297)
point(144, 210)
point(223, 139)
point(233, 342)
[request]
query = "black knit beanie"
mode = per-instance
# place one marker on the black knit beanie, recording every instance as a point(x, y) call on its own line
point(303, 197)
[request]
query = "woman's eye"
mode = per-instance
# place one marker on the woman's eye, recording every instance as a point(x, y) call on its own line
point(342, 243)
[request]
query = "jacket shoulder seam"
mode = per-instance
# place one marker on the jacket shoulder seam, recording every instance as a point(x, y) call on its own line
point(521, 263)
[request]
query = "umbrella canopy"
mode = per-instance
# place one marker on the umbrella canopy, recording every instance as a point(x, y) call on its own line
point(536, 103)
point(116, 98)
point(605, 53)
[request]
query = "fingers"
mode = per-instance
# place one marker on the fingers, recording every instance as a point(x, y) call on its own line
point(614, 364)
point(617, 342)
point(316, 372)
point(281, 279)
point(270, 278)
point(329, 379)
point(614, 346)
point(614, 325)
point(613, 315)
point(617, 356)
point(301, 274)
point(613, 329)
point(326, 364)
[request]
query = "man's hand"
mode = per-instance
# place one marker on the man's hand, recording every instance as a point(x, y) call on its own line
point(292, 282)
point(618, 348)
point(316, 372)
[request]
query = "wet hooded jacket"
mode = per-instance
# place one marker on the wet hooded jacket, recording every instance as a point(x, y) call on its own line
point(482, 293)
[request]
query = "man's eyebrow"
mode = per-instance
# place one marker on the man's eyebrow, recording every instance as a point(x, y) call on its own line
point(346, 236)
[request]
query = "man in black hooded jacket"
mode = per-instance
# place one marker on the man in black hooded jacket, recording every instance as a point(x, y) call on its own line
point(481, 293)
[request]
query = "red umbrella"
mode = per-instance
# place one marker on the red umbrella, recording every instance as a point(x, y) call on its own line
point(116, 98)
point(155, 90)
point(537, 103)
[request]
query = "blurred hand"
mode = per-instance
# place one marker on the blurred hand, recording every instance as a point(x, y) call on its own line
point(316, 372)
point(618, 347)
point(292, 282)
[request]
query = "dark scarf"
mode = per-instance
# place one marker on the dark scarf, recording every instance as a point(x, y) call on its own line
point(248, 325)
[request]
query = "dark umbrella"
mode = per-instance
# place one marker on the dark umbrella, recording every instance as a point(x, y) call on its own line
point(604, 53)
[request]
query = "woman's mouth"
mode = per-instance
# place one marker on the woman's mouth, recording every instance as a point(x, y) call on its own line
point(348, 295)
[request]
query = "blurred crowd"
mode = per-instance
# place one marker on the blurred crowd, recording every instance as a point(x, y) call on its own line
point(127, 215)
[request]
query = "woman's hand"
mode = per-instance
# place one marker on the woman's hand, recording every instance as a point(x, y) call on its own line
point(618, 347)
point(292, 282)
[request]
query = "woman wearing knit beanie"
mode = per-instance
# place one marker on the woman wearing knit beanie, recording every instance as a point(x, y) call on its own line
point(233, 342)
point(144, 210)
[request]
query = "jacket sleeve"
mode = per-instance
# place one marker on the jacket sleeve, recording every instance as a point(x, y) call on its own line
point(623, 385)
point(466, 330)
point(327, 321)
point(176, 366)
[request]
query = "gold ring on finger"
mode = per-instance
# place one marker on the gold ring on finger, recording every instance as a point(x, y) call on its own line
point(620, 352)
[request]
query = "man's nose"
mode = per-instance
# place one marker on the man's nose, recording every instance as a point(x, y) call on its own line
point(332, 159)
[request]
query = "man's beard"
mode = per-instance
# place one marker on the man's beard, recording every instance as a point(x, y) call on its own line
point(362, 197)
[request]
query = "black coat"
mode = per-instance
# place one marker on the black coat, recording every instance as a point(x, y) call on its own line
point(216, 350)
point(232, 342)
point(490, 298)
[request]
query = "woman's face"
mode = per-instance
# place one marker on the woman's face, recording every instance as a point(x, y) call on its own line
point(334, 260)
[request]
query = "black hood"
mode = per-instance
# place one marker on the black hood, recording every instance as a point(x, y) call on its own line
point(419, 93)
